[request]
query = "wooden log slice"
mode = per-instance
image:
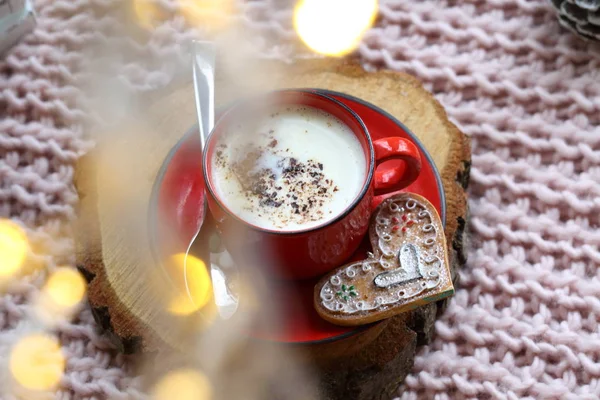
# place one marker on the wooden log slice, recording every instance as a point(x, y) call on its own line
point(367, 366)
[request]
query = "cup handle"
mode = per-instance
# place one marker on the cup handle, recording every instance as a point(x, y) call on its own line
point(389, 180)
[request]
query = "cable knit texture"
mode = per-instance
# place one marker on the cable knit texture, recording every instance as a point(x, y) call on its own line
point(524, 323)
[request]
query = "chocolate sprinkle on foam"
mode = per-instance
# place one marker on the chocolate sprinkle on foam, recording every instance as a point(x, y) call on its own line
point(292, 191)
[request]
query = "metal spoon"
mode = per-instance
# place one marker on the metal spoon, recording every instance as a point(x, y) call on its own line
point(204, 54)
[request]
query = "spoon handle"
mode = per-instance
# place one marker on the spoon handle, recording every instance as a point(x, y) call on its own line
point(204, 88)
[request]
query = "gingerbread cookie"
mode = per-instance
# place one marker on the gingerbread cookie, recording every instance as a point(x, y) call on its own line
point(408, 267)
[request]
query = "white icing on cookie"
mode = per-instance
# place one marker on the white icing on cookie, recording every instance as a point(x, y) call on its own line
point(407, 262)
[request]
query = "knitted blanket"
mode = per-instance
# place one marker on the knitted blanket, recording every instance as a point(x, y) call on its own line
point(524, 322)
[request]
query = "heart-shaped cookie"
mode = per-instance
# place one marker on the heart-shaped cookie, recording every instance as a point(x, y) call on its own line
point(408, 267)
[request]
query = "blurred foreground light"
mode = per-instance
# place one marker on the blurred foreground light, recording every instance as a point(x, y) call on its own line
point(65, 287)
point(333, 27)
point(147, 13)
point(212, 15)
point(59, 299)
point(37, 362)
point(13, 248)
point(199, 287)
point(183, 384)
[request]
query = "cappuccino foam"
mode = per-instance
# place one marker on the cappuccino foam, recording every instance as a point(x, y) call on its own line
point(293, 169)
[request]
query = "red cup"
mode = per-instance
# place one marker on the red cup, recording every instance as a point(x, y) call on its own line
point(315, 251)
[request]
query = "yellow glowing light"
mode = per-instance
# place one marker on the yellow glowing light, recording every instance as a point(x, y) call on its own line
point(198, 284)
point(65, 287)
point(13, 248)
point(333, 27)
point(183, 384)
point(211, 15)
point(147, 13)
point(36, 362)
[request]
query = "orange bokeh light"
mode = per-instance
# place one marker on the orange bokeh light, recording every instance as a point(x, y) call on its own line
point(13, 248)
point(37, 362)
point(65, 287)
point(198, 292)
point(183, 384)
point(333, 27)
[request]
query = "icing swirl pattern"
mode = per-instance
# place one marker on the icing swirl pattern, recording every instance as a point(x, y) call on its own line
point(409, 261)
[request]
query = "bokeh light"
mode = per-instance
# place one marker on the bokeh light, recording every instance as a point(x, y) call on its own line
point(199, 287)
point(147, 13)
point(210, 15)
point(13, 248)
point(183, 384)
point(333, 27)
point(65, 287)
point(37, 362)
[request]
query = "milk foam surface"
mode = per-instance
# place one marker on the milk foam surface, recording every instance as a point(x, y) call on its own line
point(293, 169)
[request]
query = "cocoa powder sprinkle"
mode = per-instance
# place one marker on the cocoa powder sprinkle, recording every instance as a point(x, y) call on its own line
point(297, 195)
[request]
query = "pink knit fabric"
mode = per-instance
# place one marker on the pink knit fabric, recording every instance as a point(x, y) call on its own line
point(524, 323)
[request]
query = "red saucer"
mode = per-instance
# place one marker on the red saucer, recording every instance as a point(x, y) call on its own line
point(178, 194)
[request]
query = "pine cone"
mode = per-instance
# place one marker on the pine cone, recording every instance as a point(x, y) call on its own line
point(580, 16)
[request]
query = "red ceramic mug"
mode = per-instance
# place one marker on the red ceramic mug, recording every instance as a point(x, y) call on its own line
point(314, 251)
